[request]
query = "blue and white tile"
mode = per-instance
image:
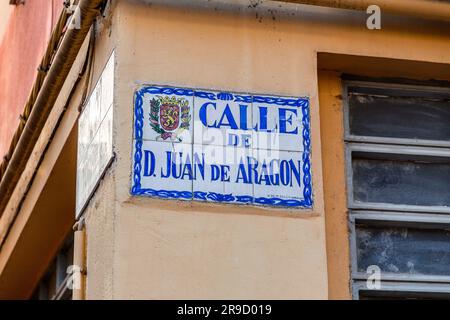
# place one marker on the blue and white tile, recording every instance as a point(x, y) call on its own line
point(92, 112)
point(89, 121)
point(240, 184)
point(107, 88)
point(173, 126)
point(105, 134)
point(208, 159)
point(278, 123)
point(222, 119)
point(222, 180)
point(87, 170)
point(280, 176)
point(165, 169)
point(84, 137)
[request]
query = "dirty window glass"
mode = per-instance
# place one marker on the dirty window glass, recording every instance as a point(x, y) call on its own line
point(404, 250)
point(393, 176)
point(420, 182)
point(402, 295)
point(399, 114)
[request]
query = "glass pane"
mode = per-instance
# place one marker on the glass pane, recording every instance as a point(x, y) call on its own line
point(420, 182)
point(401, 295)
point(399, 114)
point(404, 250)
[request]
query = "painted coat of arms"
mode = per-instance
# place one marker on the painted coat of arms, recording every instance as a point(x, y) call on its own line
point(169, 117)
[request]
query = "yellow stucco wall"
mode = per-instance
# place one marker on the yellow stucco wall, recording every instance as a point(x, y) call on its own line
point(147, 248)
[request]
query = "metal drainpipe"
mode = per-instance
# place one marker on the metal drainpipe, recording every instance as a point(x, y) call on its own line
point(79, 261)
point(57, 74)
point(428, 9)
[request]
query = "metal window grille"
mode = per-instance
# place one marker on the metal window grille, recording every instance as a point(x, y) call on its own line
point(397, 141)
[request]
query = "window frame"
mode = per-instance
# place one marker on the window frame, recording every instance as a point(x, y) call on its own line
point(395, 219)
point(57, 268)
point(394, 150)
point(395, 141)
point(392, 215)
point(402, 288)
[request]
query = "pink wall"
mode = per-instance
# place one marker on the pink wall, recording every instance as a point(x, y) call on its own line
point(21, 50)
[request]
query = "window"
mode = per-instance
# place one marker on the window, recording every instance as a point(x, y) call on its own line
point(398, 169)
point(53, 286)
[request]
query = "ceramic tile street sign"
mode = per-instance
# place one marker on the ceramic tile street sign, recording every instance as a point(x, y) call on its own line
point(222, 147)
point(95, 134)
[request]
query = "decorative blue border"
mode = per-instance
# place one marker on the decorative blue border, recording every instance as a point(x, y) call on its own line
point(303, 103)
